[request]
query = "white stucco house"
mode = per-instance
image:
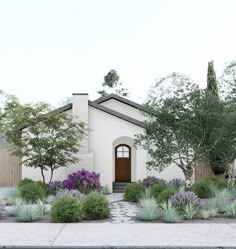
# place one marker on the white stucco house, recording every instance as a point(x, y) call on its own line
point(109, 149)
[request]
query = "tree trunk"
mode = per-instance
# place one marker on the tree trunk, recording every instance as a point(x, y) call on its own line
point(188, 173)
point(42, 173)
point(50, 180)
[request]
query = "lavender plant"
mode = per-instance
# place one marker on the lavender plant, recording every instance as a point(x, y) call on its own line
point(54, 187)
point(67, 192)
point(181, 199)
point(176, 184)
point(151, 180)
point(83, 180)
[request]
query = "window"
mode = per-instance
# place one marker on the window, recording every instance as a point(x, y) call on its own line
point(122, 151)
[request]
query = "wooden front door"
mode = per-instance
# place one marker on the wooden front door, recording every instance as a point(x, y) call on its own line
point(123, 163)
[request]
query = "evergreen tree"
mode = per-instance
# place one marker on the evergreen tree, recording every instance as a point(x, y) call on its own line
point(211, 79)
point(112, 84)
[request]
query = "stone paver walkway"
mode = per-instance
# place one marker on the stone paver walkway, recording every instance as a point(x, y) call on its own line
point(123, 212)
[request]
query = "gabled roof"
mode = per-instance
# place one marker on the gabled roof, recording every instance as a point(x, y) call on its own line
point(116, 114)
point(121, 99)
point(96, 104)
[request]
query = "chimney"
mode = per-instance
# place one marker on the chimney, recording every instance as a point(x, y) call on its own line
point(80, 113)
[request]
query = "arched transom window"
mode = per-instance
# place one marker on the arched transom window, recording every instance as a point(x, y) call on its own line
point(123, 151)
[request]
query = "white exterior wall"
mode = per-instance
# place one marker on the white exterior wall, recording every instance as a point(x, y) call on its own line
point(80, 114)
point(124, 109)
point(105, 129)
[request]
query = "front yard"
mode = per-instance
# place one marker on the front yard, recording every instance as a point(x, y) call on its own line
point(151, 200)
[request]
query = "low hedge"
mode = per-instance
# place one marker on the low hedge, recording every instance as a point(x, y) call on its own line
point(157, 189)
point(203, 188)
point(165, 195)
point(31, 192)
point(96, 206)
point(133, 191)
point(67, 210)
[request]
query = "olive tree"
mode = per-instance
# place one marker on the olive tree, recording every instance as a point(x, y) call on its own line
point(184, 128)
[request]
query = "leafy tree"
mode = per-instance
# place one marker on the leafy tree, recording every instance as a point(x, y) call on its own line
point(167, 86)
point(185, 128)
point(112, 84)
point(43, 138)
point(227, 83)
point(212, 85)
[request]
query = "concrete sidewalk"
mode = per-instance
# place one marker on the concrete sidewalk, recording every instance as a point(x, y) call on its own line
point(107, 235)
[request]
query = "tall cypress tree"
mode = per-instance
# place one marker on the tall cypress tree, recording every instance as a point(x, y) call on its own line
point(211, 79)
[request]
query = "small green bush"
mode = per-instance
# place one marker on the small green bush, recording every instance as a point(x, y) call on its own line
point(31, 192)
point(24, 182)
point(96, 206)
point(202, 189)
point(156, 189)
point(67, 209)
point(165, 195)
point(206, 187)
point(133, 191)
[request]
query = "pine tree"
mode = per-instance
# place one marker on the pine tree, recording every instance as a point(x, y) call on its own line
point(211, 79)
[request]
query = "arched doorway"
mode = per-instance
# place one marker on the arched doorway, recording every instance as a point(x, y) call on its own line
point(122, 163)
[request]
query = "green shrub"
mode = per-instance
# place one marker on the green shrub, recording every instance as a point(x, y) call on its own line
point(96, 206)
point(31, 192)
point(202, 189)
point(219, 183)
point(23, 182)
point(206, 187)
point(67, 209)
point(156, 189)
point(169, 213)
point(165, 195)
point(43, 185)
point(133, 191)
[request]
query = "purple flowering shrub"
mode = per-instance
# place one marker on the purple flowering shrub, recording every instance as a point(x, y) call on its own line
point(83, 180)
point(176, 183)
point(182, 199)
point(151, 180)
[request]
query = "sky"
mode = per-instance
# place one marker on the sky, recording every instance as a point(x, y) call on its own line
point(50, 49)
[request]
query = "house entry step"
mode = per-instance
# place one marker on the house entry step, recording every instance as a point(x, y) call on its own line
point(118, 187)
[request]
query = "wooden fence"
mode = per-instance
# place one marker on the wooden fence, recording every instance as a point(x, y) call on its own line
point(202, 169)
point(10, 169)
